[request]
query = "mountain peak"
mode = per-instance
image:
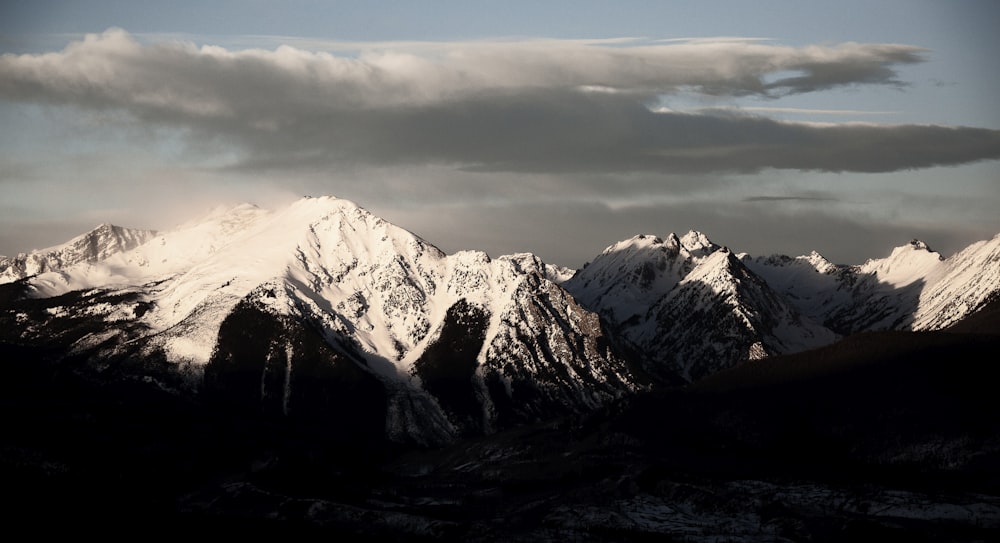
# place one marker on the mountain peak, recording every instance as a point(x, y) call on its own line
point(918, 245)
point(819, 262)
point(908, 265)
point(99, 230)
point(697, 243)
point(914, 252)
point(530, 263)
point(321, 205)
point(324, 199)
point(637, 243)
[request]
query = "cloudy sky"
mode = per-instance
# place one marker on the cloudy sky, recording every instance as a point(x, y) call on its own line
point(551, 127)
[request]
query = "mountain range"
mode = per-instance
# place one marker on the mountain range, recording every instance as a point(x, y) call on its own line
point(322, 311)
point(315, 371)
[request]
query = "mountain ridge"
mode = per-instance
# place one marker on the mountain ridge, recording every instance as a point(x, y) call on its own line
point(463, 343)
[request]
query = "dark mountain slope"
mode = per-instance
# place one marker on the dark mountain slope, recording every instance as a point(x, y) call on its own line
point(870, 405)
point(887, 435)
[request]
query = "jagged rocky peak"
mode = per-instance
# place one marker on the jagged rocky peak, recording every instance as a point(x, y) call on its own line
point(628, 277)
point(698, 243)
point(645, 258)
point(819, 262)
point(108, 239)
point(530, 263)
point(643, 246)
point(694, 242)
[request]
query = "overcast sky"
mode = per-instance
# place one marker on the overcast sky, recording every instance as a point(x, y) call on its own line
point(551, 127)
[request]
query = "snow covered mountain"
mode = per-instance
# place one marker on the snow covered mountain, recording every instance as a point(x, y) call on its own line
point(914, 288)
point(322, 308)
point(689, 307)
point(94, 246)
point(961, 285)
point(323, 311)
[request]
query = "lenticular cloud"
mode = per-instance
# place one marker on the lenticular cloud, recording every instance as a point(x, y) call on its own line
point(113, 68)
point(537, 105)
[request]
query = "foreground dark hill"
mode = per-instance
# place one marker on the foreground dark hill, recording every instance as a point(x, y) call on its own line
point(879, 402)
point(881, 436)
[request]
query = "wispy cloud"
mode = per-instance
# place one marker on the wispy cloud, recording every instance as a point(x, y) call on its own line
point(815, 111)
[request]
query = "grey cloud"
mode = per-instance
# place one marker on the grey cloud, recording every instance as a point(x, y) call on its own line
point(789, 199)
point(857, 64)
point(16, 171)
point(569, 133)
point(542, 106)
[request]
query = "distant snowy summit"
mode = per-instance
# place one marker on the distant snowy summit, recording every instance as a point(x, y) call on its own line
point(324, 310)
point(100, 243)
point(914, 288)
point(690, 307)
